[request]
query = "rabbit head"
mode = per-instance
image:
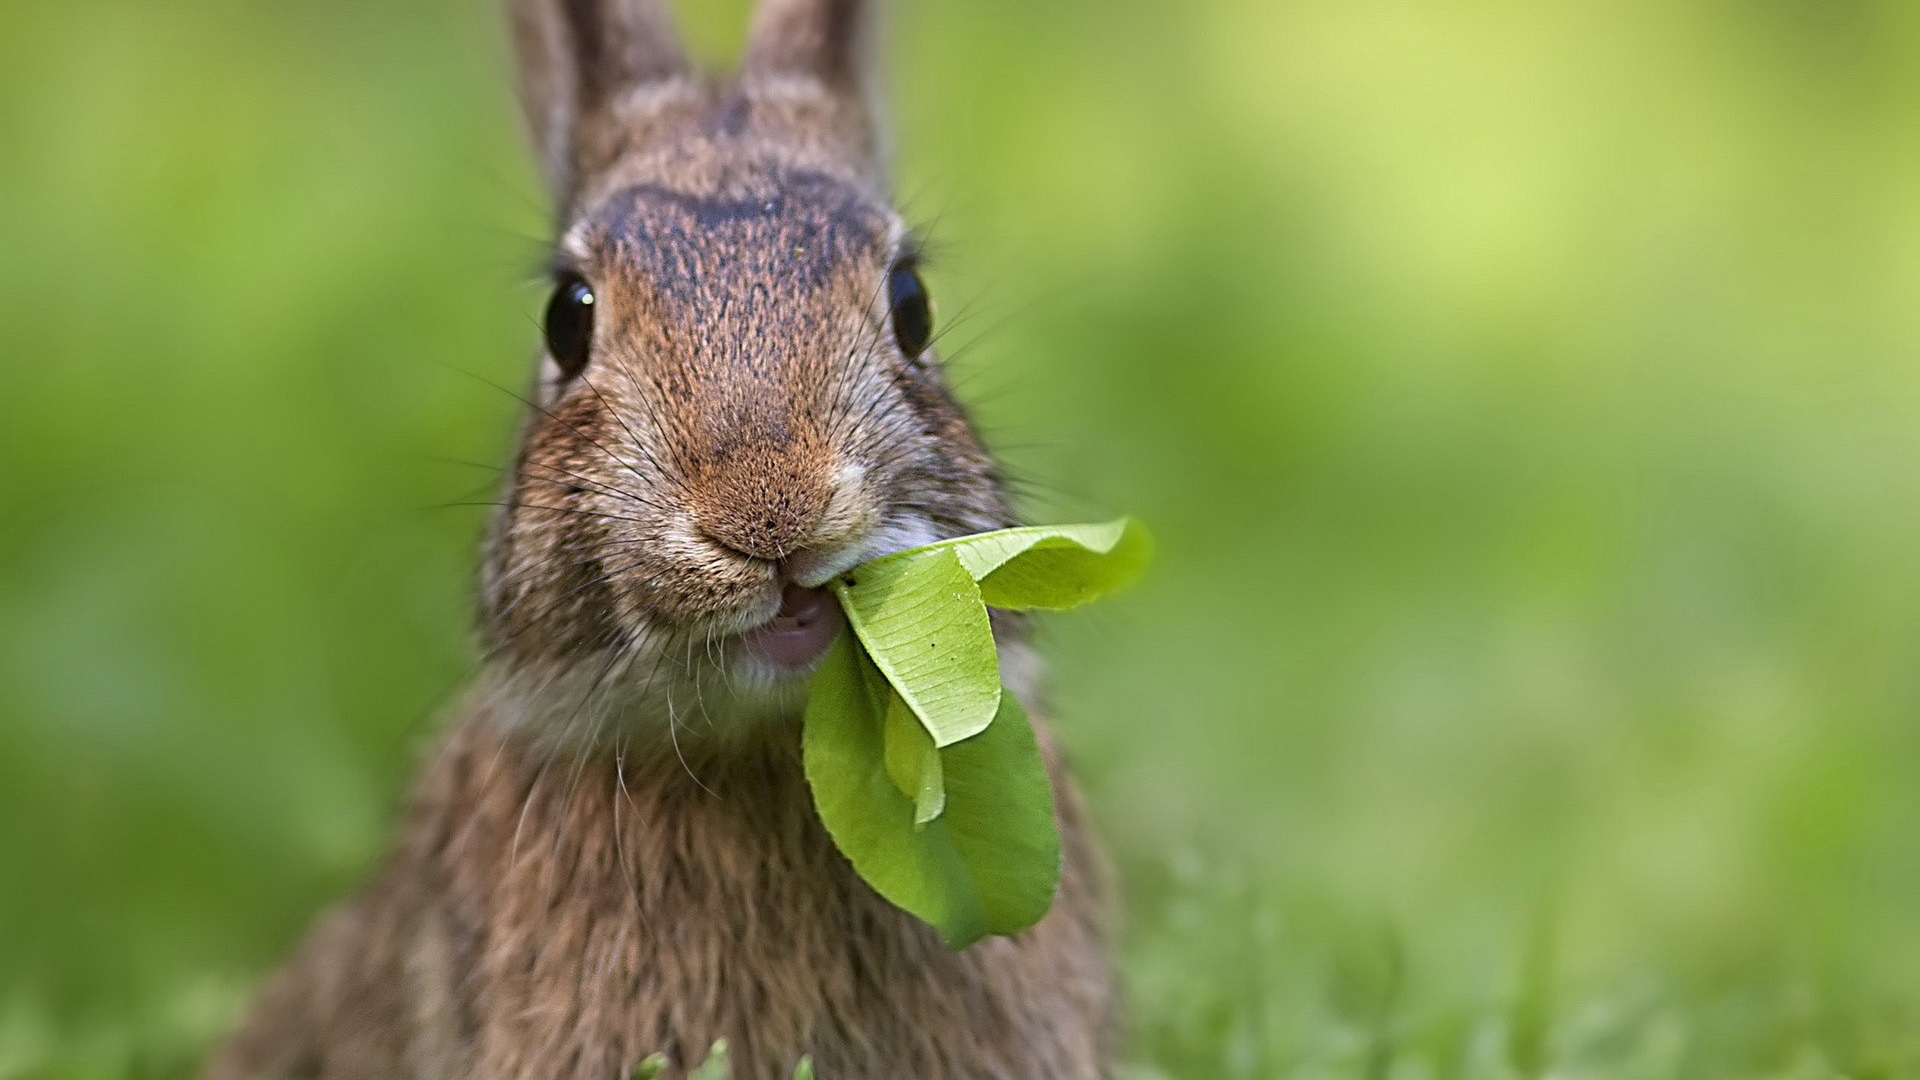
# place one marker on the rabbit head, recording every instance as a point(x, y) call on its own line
point(737, 398)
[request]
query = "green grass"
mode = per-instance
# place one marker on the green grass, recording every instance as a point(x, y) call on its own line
point(1524, 397)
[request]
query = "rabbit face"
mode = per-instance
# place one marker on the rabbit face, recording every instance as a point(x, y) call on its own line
point(728, 415)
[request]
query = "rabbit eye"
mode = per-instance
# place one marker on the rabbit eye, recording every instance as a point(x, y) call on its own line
point(569, 324)
point(912, 311)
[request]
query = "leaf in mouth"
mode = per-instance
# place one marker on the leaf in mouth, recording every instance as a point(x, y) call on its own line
point(988, 863)
point(924, 769)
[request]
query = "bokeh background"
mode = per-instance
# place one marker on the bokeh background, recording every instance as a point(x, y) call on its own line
point(1525, 396)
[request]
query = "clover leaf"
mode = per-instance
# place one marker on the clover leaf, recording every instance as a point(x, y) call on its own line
point(924, 770)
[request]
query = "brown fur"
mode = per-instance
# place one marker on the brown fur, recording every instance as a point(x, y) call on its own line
point(615, 851)
point(560, 922)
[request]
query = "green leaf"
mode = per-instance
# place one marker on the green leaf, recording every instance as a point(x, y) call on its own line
point(866, 813)
point(913, 762)
point(924, 770)
point(987, 865)
point(1055, 567)
point(716, 1066)
point(922, 620)
point(1000, 816)
point(804, 1070)
point(653, 1066)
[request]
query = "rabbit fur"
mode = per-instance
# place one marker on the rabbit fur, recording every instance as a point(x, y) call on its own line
point(614, 852)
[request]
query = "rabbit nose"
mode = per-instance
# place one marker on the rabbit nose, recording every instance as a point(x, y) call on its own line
point(769, 528)
point(765, 509)
point(761, 497)
point(807, 525)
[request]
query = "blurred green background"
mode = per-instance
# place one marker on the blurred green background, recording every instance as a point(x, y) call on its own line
point(1525, 395)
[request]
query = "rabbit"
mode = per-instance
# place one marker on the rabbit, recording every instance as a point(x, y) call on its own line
point(613, 851)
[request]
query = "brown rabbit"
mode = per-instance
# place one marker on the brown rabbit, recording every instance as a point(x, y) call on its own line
point(615, 851)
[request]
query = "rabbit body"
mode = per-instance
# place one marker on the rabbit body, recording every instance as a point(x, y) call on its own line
point(567, 921)
point(614, 852)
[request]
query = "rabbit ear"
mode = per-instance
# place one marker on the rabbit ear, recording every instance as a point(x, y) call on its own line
point(832, 42)
point(577, 57)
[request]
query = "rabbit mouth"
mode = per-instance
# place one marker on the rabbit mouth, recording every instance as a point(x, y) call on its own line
point(786, 646)
point(799, 633)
